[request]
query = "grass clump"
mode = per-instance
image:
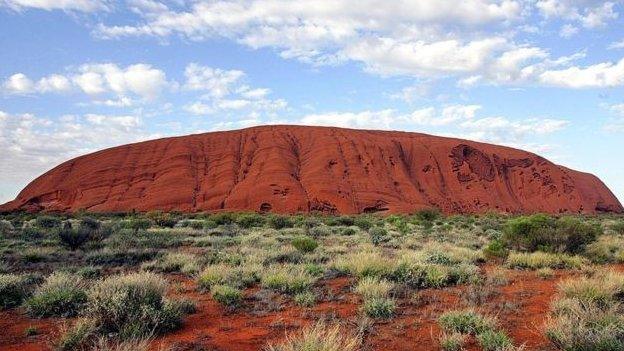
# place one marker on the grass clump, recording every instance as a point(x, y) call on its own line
point(305, 299)
point(61, 295)
point(372, 287)
point(318, 337)
point(589, 314)
point(494, 340)
point(226, 295)
point(365, 264)
point(132, 305)
point(304, 244)
point(13, 290)
point(380, 307)
point(452, 341)
point(537, 260)
point(287, 279)
point(466, 322)
point(174, 262)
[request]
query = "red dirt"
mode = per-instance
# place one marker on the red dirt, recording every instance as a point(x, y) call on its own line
point(521, 307)
point(413, 328)
point(292, 169)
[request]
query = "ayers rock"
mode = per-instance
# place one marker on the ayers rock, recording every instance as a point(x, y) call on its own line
point(292, 169)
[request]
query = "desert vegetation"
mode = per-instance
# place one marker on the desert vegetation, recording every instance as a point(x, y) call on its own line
point(311, 282)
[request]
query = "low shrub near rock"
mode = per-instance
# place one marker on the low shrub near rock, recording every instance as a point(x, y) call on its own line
point(132, 305)
point(13, 290)
point(304, 244)
point(61, 295)
point(545, 233)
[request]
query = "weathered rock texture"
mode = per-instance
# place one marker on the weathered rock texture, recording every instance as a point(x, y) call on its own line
point(302, 169)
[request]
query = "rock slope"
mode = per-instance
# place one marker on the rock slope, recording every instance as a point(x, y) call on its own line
point(292, 169)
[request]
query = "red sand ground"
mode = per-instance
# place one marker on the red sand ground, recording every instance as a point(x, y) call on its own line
point(303, 169)
point(521, 307)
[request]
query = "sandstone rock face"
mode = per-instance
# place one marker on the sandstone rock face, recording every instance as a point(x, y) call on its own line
point(290, 169)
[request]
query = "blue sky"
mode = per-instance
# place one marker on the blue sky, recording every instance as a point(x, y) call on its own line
point(80, 75)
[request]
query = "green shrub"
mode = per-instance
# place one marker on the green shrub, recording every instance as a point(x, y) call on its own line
point(378, 235)
point(372, 287)
point(466, 322)
point(287, 279)
point(365, 264)
point(250, 220)
point(304, 244)
point(226, 295)
point(223, 218)
point(452, 341)
point(174, 262)
point(6, 228)
point(494, 340)
point(13, 289)
point(379, 307)
point(618, 227)
point(132, 305)
point(495, 249)
point(112, 257)
point(348, 231)
point(536, 260)
point(48, 222)
point(138, 224)
point(77, 336)
point(428, 215)
point(589, 315)
point(61, 295)
point(279, 222)
point(305, 299)
point(73, 238)
point(567, 234)
point(363, 222)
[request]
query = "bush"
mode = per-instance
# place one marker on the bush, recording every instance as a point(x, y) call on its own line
point(304, 244)
point(378, 235)
point(452, 341)
point(223, 218)
point(76, 337)
point(365, 264)
point(61, 295)
point(379, 307)
point(226, 295)
point(174, 262)
point(618, 227)
point(6, 228)
point(494, 340)
point(348, 231)
point(371, 287)
point(466, 322)
point(138, 224)
point(589, 315)
point(13, 289)
point(536, 260)
point(542, 232)
point(428, 215)
point(305, 299)
point(318, 337)
point(132, 305)
point(73, 238)
point(495, 249)
point(287, 279)
point(279, 222)
point(48, 222)
point(250, 220)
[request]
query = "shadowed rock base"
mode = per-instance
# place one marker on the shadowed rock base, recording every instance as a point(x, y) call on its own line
point(290, 169)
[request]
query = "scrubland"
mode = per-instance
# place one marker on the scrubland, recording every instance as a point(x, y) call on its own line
point(248, 281)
